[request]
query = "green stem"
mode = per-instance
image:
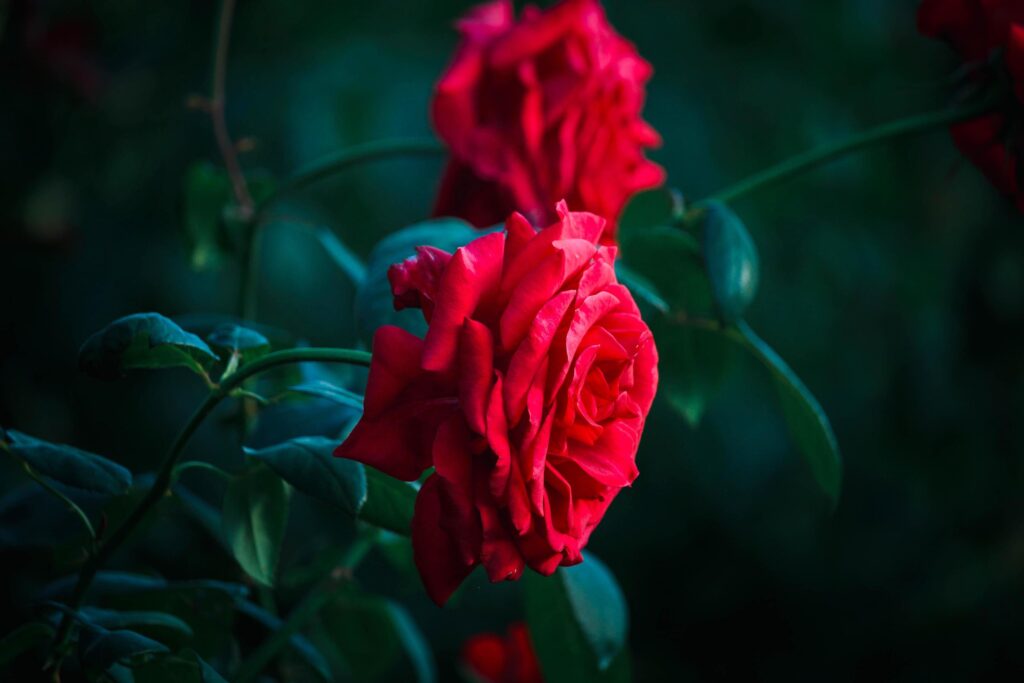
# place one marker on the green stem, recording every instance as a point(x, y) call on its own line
point(248, 264)
point(300, 617)
point(824, 154)
point(164, 477)
point(347, 158)
point(71, 505)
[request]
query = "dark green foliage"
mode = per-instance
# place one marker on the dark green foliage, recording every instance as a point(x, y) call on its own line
point(808, 424)
point(730, 260)
point(299, 643)
point(159, 625)
point(346, 260)
point(324, 389)
point(229, 338)
point(578, 623)
point(389, 502)
point(113, 583)
point(100, 649)
point(255, 514)
point(375, 638)
point(142, 341)
point(70, 466)
point(183, 667)
point(309, 465)
point(28, 635)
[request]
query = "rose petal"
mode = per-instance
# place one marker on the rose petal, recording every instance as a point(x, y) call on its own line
point(476, 373)
point(471, 276)
point(403, 408)
point(499, 554)
point(434, 551)
point(414, 282)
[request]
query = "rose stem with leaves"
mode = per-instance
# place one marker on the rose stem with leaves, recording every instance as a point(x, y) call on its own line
point(164, 477)
point(826, 153)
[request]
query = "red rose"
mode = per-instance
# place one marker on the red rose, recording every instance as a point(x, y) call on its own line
point(491, 658)
point(543, 109)
point(527, 397)
point(977, 29)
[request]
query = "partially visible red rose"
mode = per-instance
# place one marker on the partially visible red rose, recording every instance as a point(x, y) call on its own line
point(989, 36)
point(492, 658)
point(543, 109)
point(527, 396)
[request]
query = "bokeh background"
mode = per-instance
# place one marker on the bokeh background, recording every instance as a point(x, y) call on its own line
point(893, 283)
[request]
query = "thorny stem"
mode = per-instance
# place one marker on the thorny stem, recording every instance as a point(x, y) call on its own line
point(165, 475)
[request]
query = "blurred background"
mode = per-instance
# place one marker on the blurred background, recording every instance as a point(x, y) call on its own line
point(893, 284)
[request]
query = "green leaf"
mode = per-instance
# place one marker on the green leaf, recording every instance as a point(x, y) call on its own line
point(807, 422)
point(670, 262)
point(309, 465)
point(389, 502)
point(148, 621)
point(413, 643)
point(184, 667)
point(107, 583)
point(578, 622)
point(693, 363)
point(207, 673)
point(143, 340)
point(228, 339)
point(70, 466)
point(374, 303)
point(377, 639)
point(324, 389)
point(100, 649)
point(730, 259)
point(693, 366)
point(299, 643)
point(255, 515)
point(22, 639)
point(598, 606)
point(227, 588)
point(345, 258)
point(645, 210)
point(207, 194)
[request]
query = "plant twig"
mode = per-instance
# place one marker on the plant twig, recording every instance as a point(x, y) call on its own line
point(227, 148)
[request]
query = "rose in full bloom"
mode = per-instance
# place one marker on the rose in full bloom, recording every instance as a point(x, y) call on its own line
point(541, 109)
point(989, 36)
point(492, 658)
point(527, 396)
